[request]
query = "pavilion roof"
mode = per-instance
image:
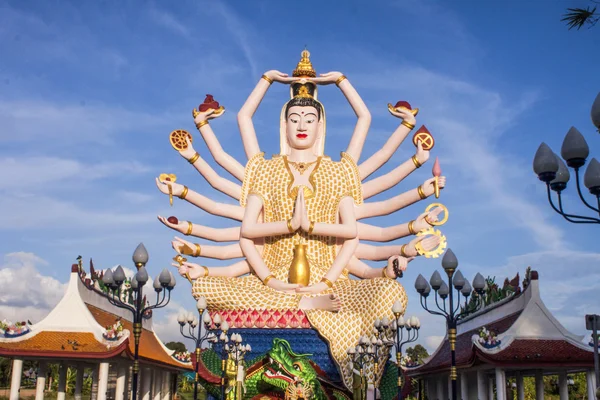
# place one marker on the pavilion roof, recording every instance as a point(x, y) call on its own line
point(528, 335)
point(75, 329)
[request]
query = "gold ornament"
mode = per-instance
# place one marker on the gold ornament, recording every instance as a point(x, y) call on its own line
point(435, 253)
point(168, 179)
point(301, 166)
point(304, 67)
point(300, 268)
point(446, 214)
point(413, 111)
point(177, 139)
point(179, 259)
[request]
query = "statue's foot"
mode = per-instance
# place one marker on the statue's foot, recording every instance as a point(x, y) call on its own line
point(328, 302)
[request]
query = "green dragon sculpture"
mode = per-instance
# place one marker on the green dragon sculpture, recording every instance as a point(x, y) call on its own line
point(280, 374)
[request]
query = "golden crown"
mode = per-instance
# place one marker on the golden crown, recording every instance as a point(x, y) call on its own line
point(304, 67)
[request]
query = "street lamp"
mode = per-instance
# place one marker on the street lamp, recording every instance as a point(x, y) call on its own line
point(236, 352)
point(551, 170)
point(189, 318)
point(444, 291)
point(367, 351)
point(164, 283)
point(393, 334)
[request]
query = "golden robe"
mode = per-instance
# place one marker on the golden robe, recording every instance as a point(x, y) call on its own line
point(362, 300)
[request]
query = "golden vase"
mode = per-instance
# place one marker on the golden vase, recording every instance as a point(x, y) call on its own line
point(300, 268)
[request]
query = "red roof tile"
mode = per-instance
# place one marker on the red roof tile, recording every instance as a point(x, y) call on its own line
point(60, 344)
point(150, 348)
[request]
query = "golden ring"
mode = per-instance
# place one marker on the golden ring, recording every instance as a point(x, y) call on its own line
point(446, 213)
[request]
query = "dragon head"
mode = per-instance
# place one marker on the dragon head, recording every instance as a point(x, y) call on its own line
point(287, 369)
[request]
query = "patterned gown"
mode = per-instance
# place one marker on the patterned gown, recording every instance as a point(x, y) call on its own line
point(362, 300)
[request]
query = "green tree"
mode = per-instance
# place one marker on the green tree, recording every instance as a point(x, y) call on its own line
point(578, 17)
point(417, 353)
point(177, 346)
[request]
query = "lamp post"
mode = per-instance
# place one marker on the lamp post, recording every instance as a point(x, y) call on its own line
point(393, 335)
point(444, 291)
point(366, 352)
point(198, 338)
point(164, 283)
point(551, 170)
point(236, 351)
point(223, 326)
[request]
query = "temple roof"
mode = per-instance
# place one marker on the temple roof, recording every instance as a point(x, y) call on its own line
point(527, 332)
point(75, 328)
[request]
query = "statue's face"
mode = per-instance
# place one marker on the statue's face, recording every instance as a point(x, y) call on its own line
point(302, 127)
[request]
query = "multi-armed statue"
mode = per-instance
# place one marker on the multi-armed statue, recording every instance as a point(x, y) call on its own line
point(299, 211)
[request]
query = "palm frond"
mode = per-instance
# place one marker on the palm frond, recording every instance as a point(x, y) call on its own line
point(577, 17)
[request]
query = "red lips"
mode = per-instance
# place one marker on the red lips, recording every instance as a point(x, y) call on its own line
point(301, 135)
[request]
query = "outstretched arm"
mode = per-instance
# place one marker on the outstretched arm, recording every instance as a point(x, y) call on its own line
point(226, 161)
point(358, 106)
point(188, 248)
point(396, 203)
point(203, 202)
point(215, 180)
point(389, 148)
point(204, 232)
point(247, 111)
point(194, 271)
point(379, 234)
point(380, 253)
point(362, 270)
point(384, 182)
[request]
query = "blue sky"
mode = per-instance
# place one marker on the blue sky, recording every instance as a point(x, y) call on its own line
point(89, 93)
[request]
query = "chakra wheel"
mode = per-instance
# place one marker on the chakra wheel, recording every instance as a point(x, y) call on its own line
point(177, 139)
point(435, 253)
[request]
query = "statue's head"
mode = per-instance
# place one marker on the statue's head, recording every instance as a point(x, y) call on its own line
point(303, 117)
point(303, 123)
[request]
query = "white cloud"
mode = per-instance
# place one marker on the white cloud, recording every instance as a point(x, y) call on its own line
point(37, 173)
point(241, 33)
point(168, 21)
point(25, 293)
point(166, 326)
point(432, 343)
point(24, 211)
point(20, 121)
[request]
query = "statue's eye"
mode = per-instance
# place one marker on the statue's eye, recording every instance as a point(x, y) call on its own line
point(297, 366)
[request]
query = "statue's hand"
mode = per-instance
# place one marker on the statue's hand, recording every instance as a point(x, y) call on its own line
point(194, 271)
point(404, 114)
point(313, 289)
point(428, 188)
point(429, 243)
point(208, 115)
point(299, 211)
point(424, 220)
point(282, 286)
point(402, 264)
point(304, 222)
point(180, 226)
point(182, 268)
point(189, 152)
point(277, 76)
point(183, 246)
point(176, 188)
point(327, 79)
point(422, 155)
